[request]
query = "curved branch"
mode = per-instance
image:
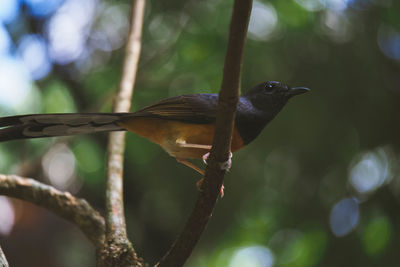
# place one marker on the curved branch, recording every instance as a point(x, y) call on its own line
point(118, 250)
point(227, 102)
point(76, 210)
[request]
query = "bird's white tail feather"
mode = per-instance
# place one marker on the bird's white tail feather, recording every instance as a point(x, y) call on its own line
point(47, 125)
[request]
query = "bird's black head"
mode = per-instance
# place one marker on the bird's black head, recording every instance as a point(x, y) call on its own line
point(260, 105)
point(272, 95)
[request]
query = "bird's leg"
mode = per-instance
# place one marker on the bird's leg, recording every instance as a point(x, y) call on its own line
point(182, 143)
point(191, 165)
point(199, 170)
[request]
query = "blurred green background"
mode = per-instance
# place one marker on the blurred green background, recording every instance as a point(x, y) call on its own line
point(319, 187)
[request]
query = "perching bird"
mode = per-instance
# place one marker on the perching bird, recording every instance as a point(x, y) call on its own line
point(183, 125)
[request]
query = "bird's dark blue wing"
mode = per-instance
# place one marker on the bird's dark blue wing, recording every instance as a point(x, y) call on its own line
point(197, 108)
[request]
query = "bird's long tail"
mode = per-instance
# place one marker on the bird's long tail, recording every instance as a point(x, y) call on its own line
point(48, 125)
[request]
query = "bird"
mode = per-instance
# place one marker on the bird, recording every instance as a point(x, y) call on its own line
point(183, 125)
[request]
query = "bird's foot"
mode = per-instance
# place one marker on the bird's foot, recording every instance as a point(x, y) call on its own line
point(205, 157)
point(223, 165)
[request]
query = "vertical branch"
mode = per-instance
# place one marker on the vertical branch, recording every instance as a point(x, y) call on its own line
point(227, 102)
point(118, 250)
point(3, 260)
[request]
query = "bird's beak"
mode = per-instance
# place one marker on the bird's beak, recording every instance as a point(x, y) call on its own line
point(297, 91)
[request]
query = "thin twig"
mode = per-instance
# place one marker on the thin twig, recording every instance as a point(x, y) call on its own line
point(228, 98)
point(117, 244)
point(75, 210)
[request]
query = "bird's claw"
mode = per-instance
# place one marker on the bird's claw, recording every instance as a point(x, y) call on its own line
point(223, 165)
point(205, 157)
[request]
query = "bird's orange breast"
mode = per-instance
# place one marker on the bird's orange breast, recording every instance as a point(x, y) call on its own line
point(171, 134)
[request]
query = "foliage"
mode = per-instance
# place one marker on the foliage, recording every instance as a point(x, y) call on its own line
point(287, 192)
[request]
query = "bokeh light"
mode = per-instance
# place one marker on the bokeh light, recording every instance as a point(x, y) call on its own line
point(7, 216)
point(33, 51)
point(282, 243)
point(89, 159)
point(112, 28)
point(15, 82)
point(311, 5)
point(59, 166)
point(377, 235)
point(370, 170)
point(5, 40)
point(108, 33)
point(317, 5)
point(57, 99)
point(344, 216)
point(253, 256)
point(263, 21)
point(325, 158)
point(164, 30)
point(389, 41)
point(42, 8)
point(337, 26)
point(292, 247)
point(363, 4)
point(68, 30)
point(9, 10)
point(337, 5)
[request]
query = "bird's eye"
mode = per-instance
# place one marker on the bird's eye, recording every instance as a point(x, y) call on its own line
point(270, 86)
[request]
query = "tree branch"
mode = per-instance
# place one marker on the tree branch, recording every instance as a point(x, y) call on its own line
point(118, 250)
point(227, 102)
point(75, 210)
point(3, 260)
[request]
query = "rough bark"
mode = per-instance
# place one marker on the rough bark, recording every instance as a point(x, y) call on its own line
point(118, 250)
point(76, 210)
